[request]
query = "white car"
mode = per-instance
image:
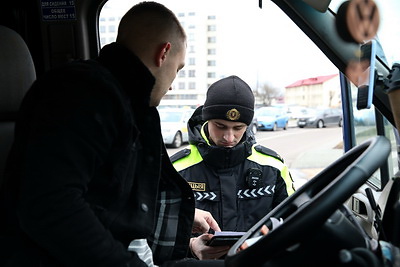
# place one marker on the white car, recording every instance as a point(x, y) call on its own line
point(174, 125)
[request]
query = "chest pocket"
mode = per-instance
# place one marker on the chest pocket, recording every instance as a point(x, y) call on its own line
point(253, 193)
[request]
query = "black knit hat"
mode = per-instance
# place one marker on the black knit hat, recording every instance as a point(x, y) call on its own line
point(229, 99)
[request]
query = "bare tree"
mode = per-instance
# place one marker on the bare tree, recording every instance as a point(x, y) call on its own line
point(266, 93)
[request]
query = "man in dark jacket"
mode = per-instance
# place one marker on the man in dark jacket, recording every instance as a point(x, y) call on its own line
point(231, 176)
point(88, 179)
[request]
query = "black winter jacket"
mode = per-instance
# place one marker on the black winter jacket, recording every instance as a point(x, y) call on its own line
point(83, 175)
point(238, 185)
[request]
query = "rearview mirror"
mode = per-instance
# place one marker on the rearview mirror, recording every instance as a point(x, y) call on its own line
point(366, 81)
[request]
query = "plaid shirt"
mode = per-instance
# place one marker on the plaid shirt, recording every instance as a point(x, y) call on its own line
point(175, 209)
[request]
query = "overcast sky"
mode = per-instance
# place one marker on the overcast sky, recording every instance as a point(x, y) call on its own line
point(260, 45)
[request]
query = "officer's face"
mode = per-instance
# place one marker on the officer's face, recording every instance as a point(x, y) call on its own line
point(226, 133)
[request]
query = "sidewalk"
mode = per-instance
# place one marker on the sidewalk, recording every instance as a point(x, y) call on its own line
point(310, 163)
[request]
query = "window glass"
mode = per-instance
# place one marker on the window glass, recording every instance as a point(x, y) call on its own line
point(388, 31)
point(293, 76)
point(365, 128)
point(392, 134)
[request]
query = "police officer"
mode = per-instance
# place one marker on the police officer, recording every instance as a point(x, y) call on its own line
point(232, 177)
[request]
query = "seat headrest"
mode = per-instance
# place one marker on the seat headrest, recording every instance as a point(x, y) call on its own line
point(17, 72)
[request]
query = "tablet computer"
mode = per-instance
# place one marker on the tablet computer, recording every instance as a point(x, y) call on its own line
point(224, 238)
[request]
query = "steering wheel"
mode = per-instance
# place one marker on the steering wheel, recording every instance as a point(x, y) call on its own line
point(310, 206)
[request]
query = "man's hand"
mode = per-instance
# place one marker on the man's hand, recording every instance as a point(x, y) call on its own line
point(203, 221)
point(204, 252)
point(264, 231)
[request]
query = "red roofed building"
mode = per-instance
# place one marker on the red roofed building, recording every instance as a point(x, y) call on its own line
point(314, 92)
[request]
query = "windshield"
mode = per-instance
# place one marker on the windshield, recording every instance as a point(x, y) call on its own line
point(388, 31)
point(284, 68)
point(235, 46)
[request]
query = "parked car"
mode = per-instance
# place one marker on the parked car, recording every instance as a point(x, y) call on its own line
point(321, 117)
point(174, 126)
point(271, 118)
point(253, 125)
point(296, 112)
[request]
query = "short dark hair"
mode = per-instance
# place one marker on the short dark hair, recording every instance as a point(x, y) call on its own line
point(153, 20)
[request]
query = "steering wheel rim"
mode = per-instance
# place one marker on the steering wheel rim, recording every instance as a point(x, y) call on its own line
point(311, 205)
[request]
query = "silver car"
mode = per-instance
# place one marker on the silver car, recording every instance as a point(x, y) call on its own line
point(174, 125)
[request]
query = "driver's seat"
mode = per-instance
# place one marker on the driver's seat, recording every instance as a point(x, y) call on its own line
point(391, 212)
point(17, 73)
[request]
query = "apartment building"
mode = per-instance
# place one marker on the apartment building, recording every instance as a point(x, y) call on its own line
point(314, 92)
